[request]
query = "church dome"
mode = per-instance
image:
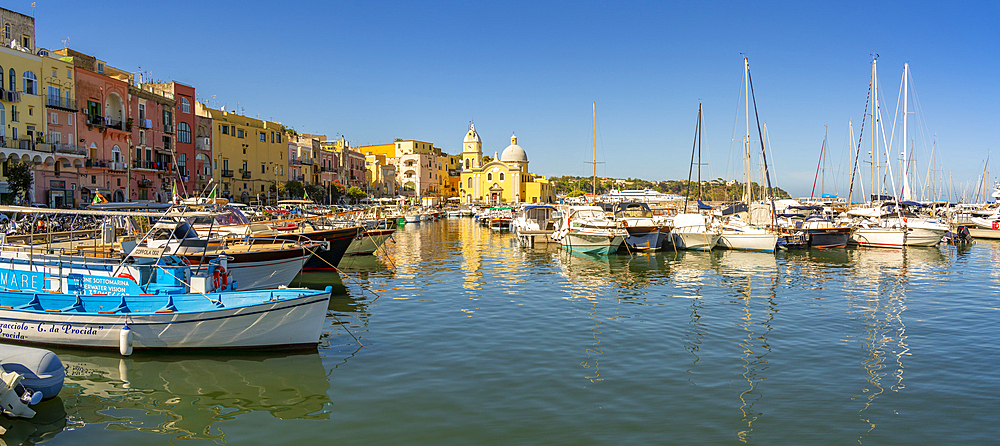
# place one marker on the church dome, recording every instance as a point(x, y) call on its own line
point(472, 136)
point(513, 153)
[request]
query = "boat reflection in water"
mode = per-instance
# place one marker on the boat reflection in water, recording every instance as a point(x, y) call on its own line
point(49, 420)
point(191, 397)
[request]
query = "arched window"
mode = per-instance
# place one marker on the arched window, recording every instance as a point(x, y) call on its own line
point(116, 153)
point(6, 32)
point(30, 83)
point(13, 80)
point(183, 132)
point(470, 183)
point(489, 176)
point(501, 176)
point(185, 105)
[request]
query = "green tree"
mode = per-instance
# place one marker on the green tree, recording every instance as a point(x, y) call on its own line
point(355, 193)
point(294, 189)
point(19, 179)
point(316, 192)
point(577, 193)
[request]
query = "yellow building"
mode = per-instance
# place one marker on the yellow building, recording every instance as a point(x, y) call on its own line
point(249, 155)
point(22, 114)
point(504, 179)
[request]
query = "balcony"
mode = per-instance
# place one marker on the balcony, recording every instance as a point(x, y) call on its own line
point(151, 165)
point(308, 161)
point(294, 162)
point(298, 178)
point(117, 166)
point(227, 173)
point(246, 174)
point(95, 120)
point(144, 123)
point(168, 128)
point(70, 149)
point(145, 182)
point(60, 103)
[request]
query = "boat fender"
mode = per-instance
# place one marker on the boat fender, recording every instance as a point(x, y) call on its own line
point(224, 277)
point(996, 225)
point(217, 277)
point(125, 341)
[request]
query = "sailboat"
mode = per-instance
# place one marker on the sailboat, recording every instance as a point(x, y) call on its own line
point(737, 230)
point(695, 231)
point(587, 228)
point(882, 223)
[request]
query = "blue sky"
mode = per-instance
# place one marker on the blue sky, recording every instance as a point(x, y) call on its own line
point(375, 71)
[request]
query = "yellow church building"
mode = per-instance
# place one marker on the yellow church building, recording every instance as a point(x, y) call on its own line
point(504, 179)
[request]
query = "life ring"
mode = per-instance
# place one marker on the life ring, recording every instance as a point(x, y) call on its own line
point(224, 276)
point(996, 225)
point(127, 276)
point(216, 280)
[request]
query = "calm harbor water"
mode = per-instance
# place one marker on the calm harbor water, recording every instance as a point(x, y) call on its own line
point(470, 340)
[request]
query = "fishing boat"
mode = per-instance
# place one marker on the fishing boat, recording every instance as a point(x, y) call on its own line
point(255, 263)
point(155, 301)
point(587, 229)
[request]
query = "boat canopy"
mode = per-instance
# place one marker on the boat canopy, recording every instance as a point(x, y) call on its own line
point(632, 209)
point(703, 206)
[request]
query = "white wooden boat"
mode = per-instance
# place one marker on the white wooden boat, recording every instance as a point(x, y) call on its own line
point(156, 303)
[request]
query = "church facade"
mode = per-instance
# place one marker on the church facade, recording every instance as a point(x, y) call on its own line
point(502, 180)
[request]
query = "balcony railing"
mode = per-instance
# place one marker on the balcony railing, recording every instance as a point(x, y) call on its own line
point(228, 173)
point(70, 149)
point(246, 174)
point(298, 178)
point(294, 162)
point(95, 120)
point(67, 104)
point(168, 128)
point(308, 161)
point(151, 165)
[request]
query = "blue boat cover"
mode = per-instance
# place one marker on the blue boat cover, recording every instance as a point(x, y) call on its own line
point(703, 205)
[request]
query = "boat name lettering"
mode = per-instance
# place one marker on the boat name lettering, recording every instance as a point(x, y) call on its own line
point(15, 330)
point(16, 279)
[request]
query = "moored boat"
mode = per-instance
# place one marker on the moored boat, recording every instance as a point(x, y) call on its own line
point(587, 229)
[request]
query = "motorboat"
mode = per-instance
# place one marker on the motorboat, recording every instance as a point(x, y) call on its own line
point(588, 229)
point(695, 231)
point(645, 232)
point(534, 224)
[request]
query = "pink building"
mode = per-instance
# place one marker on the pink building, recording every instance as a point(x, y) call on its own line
point(202, 170)
point(355, 169)
point(151, 124)
point(101, 94)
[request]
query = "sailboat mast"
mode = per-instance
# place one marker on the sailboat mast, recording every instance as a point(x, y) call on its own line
point(905, 167)
point(876, 171)
point(747, 193)
point(812, 194)
point(594, 183)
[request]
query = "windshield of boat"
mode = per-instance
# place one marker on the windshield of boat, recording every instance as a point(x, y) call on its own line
point(634, 210)
point(590, 213)
point(169, 231)
point(230, 216)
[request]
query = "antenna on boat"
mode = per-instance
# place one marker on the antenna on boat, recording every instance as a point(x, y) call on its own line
point(595, 162)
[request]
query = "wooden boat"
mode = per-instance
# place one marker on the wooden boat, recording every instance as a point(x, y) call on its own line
point(156, 301)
